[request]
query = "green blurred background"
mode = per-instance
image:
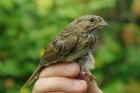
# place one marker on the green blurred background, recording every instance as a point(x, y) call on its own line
point(27, 26)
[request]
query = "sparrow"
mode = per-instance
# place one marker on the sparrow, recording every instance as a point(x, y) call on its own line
point(76, 43)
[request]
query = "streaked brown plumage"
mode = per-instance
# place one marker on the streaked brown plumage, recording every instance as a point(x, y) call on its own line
point(75, 43)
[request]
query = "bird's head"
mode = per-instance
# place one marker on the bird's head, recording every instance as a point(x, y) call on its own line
point(89, 23)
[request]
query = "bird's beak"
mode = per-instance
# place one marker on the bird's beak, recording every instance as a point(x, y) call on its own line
point(103, 23)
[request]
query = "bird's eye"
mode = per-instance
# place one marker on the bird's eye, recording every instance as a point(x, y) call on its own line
point(92, 20)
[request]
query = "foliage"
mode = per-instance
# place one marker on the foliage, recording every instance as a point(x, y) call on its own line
point(27, 26)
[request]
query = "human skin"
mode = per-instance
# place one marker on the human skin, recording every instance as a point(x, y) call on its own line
point(62, 78)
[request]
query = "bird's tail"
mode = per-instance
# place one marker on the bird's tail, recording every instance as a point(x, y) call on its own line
point(32, 77)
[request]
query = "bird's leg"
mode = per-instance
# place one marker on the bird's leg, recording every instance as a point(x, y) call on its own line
point(91, 77)
point(85, 74)
point(87, 63)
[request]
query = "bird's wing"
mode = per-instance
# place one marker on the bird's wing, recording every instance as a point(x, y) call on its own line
point(55, 50)
point(59, 47)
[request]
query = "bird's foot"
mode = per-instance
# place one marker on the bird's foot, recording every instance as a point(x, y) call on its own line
point(88, 77)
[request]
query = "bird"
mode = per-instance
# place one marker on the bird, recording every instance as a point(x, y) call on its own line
point(75, 43)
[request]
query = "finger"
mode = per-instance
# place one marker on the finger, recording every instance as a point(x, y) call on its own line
point(53, 84)
point(70, 69)
point(56, 92)
point(93, 88)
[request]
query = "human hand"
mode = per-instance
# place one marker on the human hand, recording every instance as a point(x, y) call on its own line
point(61, 78)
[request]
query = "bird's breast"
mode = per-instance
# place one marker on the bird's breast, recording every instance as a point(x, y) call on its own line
point(86, 41)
